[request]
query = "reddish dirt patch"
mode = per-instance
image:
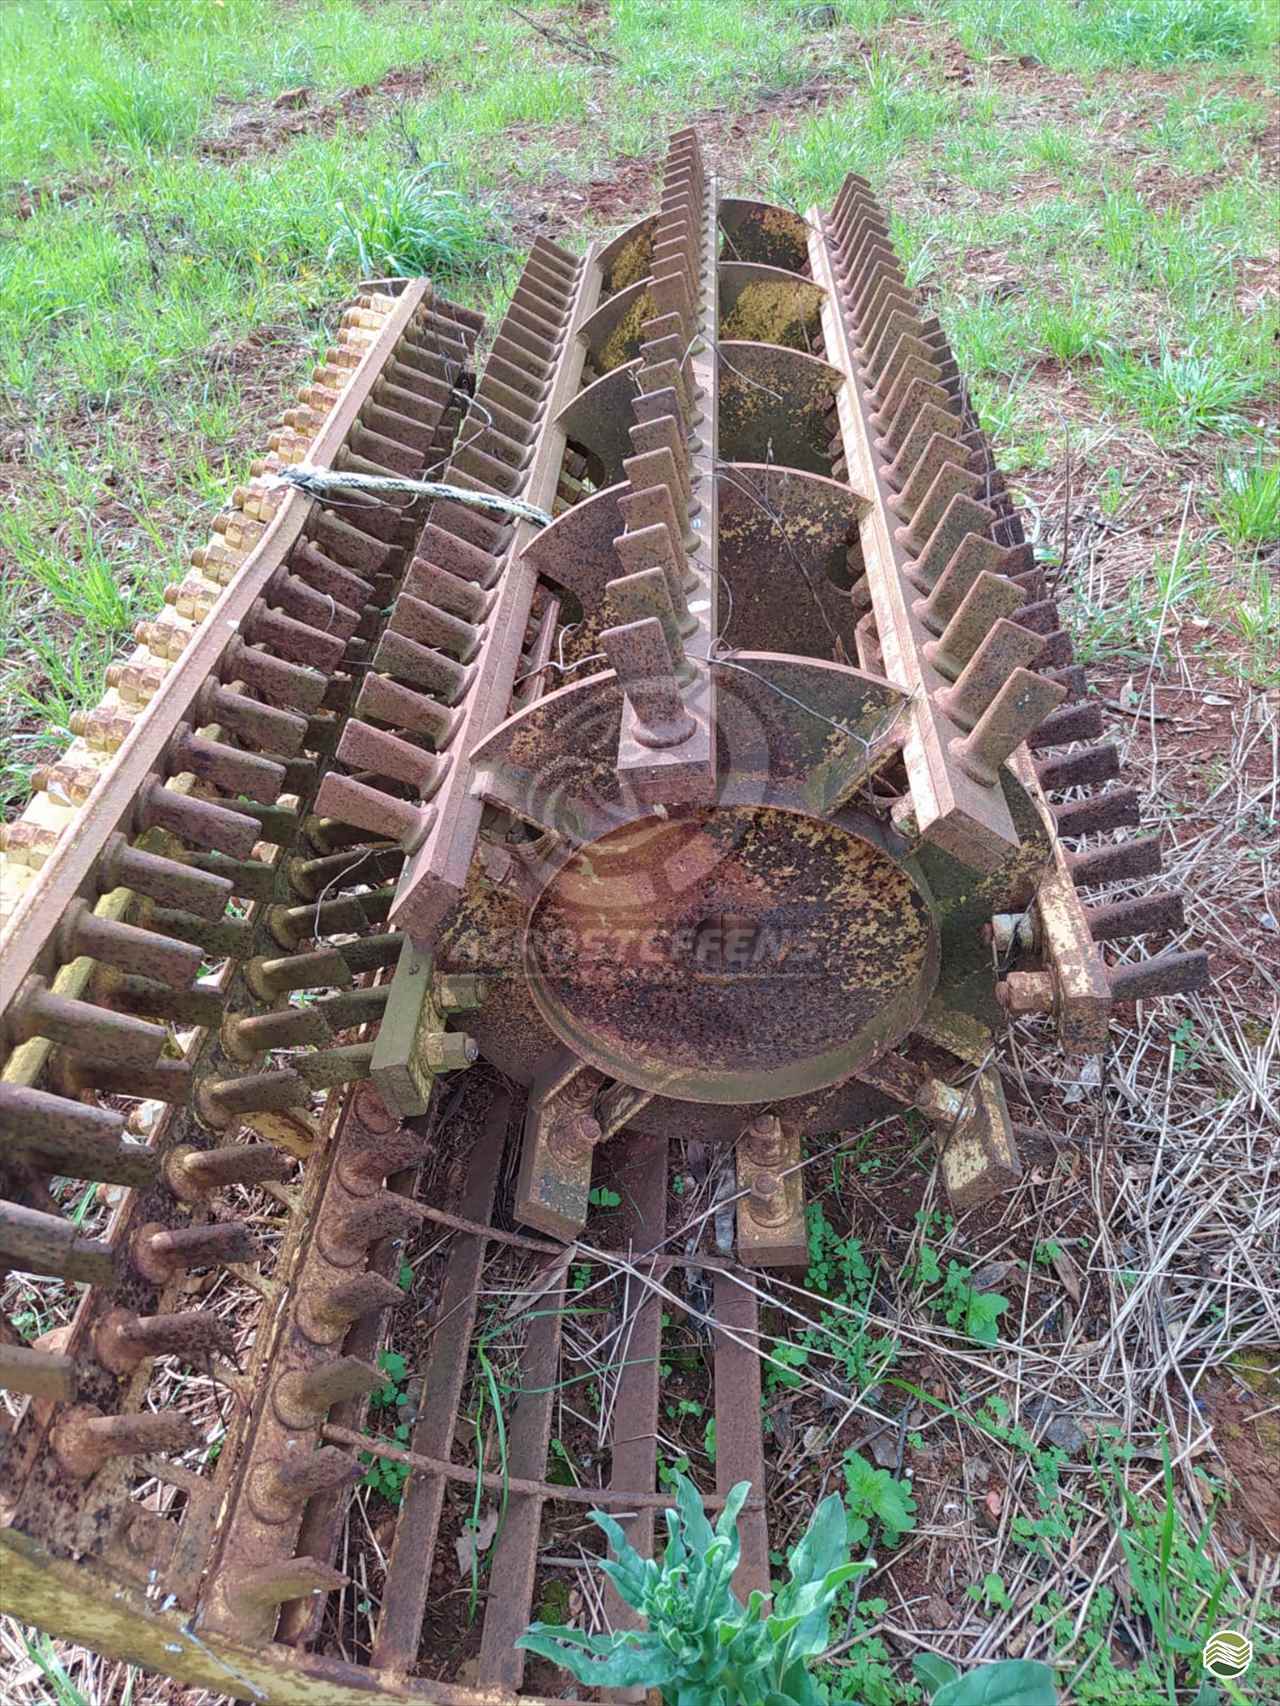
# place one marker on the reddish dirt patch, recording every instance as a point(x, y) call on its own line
point(1246, 1433)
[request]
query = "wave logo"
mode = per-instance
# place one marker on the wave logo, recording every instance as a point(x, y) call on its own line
point(1227, 1653)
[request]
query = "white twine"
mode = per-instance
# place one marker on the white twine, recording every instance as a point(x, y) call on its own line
point(323, 482)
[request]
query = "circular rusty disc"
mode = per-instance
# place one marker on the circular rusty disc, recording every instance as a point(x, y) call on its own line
point(731, 955)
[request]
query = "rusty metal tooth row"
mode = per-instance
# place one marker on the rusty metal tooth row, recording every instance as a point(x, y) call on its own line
point(954, 588)
point(446, 664)
point(208, 860)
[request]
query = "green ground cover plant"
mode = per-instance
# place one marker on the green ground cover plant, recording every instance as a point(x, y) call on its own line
point(702, 1647)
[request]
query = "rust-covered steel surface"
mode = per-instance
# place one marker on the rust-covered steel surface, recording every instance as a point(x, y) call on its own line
point(721, 808)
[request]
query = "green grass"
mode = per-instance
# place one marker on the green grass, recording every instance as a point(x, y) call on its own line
point(1247, 508)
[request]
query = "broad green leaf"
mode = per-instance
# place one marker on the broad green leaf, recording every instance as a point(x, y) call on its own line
point(1011, 1682)
point(643, 1662)
point(933, 1670)
point(698, 1534)
point(823, 1545)
point(737, 1497)
point(799, 1688)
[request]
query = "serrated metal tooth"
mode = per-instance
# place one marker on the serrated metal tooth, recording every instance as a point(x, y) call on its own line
point(388, 453)
point(639, 654)
point(337, 546)
point(975, 555)
point(362, 1171)
point(344, 1238)
point(421, 666)
point(295, 686)
point(373, 811)
point(887, 303)
point(962, 516)
point(278, 1490)
point(637, 597)
point(245, 1036)
point(415, 713)
point(1020, 705)
point(1078, 769)
point(460, 555)
point(365, 748)
point(355, 1008)
point(291, 925)
point(1005, 647)
point(312, 878)
point(217, 938)
point(1181, 973)
point(197, 821)
point(83, 1439)
point(58, 1135)
point(927, 510)
point(910, 358)
point(1135, 916)
point(656, 470)
point(38, 1374)
point(161, 1253)
point(123, 1340)
point(448, 592)
point(1113, 808)
point(654, 507)
point(874, 261)
point(514, 379)
point(1139, 857)
point(417, 433)
point(294, 641)
point(266, 728)
point(302, 1398)
point(1073, 722)
point(162, 879)
point(988, 599)
point(195, 1175)
point(915, 395)
point(93, 1031)
point(325, 1319)
point(654, 547)
point(323, 1069)
point(163, 1081)
point(201, 1005)
point(297, 598)
point(427, 625)
point(226, 767)
point(269, 978)
point(522, 354)
point(32, 1242)
point(934, 437)
point(221, 1102)
point(1056, 651)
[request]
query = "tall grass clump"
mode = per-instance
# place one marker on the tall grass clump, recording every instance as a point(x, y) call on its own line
point(412, 224)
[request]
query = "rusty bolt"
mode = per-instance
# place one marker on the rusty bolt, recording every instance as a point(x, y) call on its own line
point(762, 1143)
point(768, 1200)
point(573, 1136)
